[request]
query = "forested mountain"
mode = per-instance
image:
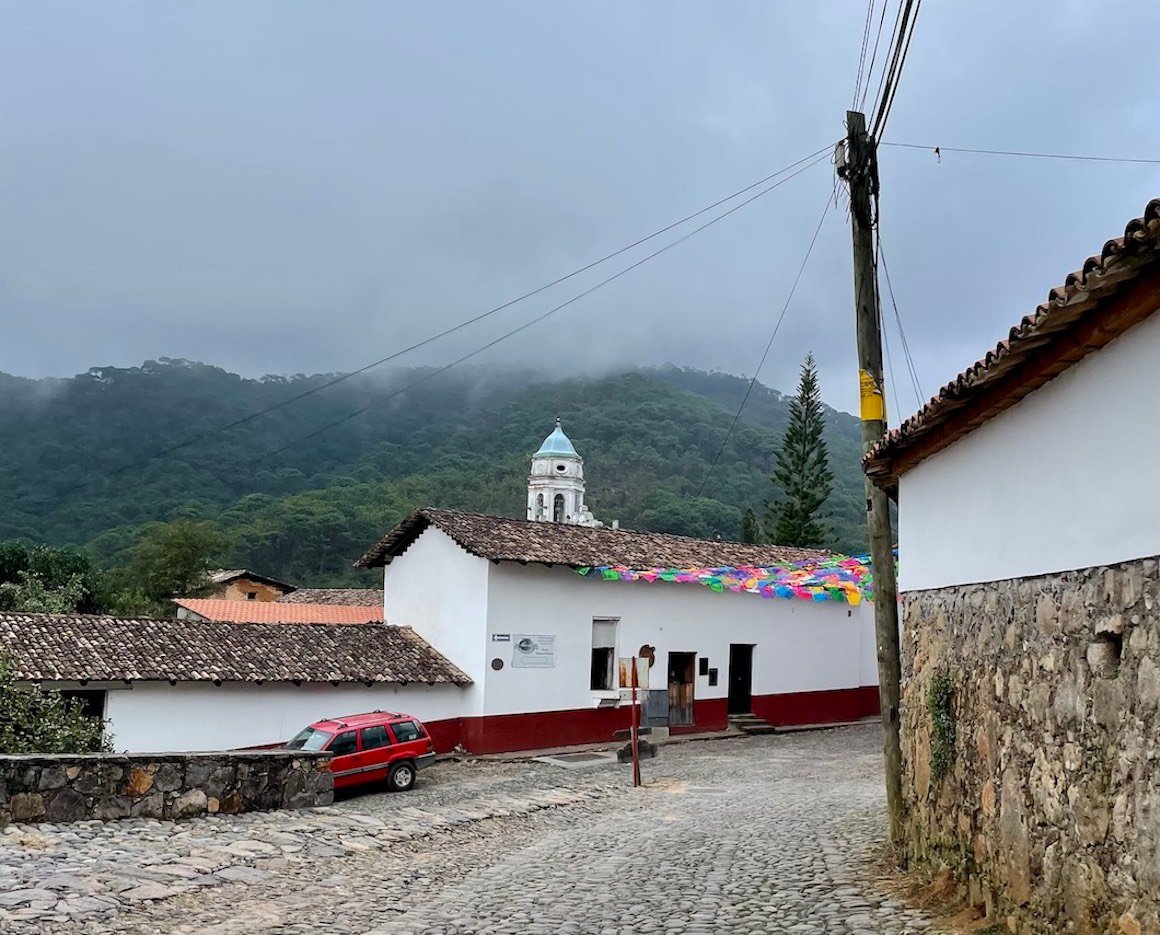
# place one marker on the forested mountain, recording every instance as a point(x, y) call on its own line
point(301, 497)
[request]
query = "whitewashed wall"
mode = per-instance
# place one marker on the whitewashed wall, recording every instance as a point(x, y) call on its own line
point(1065, 479)
point(156, 717)
point(800, 646)
point(441, 591)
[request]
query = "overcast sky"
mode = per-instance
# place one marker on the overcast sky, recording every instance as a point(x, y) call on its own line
point(296, 187)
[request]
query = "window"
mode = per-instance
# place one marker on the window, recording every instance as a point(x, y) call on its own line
point(406, 731)
point(251, 595)
point(92, 703)
point(343, 744)
point(309, 739)
point(376, 736)
point(603, 655)
point(558, 509)
point(539, 506)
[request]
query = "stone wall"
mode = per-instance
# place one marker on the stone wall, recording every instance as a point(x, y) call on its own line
point(165, 785)
point(1049, 812)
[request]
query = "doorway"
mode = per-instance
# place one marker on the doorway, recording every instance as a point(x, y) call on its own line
point(682, 667)
point(740, 678)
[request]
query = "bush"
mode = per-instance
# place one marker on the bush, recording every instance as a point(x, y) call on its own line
point(36, 721)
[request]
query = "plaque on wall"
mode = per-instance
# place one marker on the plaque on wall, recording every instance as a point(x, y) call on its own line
point(531, 651)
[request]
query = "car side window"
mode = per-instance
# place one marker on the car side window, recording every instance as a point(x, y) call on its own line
point(343, 744)
point(406, 731)
point(373, 737)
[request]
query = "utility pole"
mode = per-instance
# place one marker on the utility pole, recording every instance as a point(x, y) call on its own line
point(860, 170)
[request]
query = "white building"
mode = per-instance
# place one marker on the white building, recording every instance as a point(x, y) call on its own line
point(504, 600)
point(1029, 516)
point(174, 685)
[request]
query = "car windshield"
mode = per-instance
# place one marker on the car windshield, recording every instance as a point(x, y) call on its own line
point(310, 739)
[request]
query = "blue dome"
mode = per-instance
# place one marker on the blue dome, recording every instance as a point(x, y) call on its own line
point(556, 445)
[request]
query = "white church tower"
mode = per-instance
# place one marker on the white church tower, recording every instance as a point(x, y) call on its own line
point(556, 484)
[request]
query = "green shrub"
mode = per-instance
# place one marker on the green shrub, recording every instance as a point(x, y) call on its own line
point(36, 721)
point(942, 744)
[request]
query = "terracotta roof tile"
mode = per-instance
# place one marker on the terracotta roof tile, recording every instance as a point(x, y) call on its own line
point(72, 647)
point(500, 538)
point(994, 384)
point(277, 612)
point(352, 597)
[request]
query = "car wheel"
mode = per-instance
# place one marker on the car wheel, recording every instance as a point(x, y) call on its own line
point(401, 777)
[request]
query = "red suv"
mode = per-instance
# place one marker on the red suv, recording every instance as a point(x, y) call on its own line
point(370, 748)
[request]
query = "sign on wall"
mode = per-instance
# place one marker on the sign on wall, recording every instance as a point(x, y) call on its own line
point(625, 667)
point(530, 651)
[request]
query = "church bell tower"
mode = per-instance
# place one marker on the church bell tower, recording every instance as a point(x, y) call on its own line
point(556, 484)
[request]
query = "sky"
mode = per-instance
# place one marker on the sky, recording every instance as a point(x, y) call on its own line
point(286, 187)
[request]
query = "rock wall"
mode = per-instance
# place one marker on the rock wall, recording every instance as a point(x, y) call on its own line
point(1049, 810)
point(167, 785)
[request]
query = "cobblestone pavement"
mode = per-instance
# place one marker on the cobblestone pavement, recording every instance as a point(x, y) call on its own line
point(762, 834)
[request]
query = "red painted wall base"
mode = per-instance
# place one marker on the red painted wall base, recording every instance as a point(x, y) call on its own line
point(506, 733)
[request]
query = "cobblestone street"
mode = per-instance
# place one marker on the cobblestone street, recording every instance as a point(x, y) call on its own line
point(762, 834)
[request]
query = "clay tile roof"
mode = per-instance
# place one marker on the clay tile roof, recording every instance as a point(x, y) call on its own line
point(499, 538)
point(276, 612)
point(1117, 288)
point(73, 647)
point(352, 597)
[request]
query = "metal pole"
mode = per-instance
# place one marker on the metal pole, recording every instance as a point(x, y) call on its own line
point(861, 172)
point(635, 733)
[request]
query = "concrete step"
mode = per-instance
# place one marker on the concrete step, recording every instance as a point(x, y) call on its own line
point(751, 724)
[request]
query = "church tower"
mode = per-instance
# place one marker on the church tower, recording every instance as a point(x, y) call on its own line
point(556, 484)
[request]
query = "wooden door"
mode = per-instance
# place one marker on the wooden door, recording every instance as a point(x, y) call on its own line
point(682, 668)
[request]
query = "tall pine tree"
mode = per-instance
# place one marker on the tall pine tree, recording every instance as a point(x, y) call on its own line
point(802, 472)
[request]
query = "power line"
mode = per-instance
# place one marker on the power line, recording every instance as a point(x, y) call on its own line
point(250, 417)
point(890, 373)
point(938, 150)
point(917, 385)
point(894, 33)
point(552, 311)
point(874, 56)
point(768, 344)
point(897, 61)
point(862, 54)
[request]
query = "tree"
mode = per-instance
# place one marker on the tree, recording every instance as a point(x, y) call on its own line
point(749, 531)
point(802, 471)
point(171, 560)
point(35, 721)
point(30, 594)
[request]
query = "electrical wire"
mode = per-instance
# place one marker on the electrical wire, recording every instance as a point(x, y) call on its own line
point(897, 62)
point(939, 150)
point(874, 56)
point(552, 311)
point(862, 54)
point(916, 384)
point(250, 417)
point(894, 34)
point(768, 345)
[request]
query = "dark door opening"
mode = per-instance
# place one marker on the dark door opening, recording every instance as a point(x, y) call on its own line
point(682, 668)
point(740, 678)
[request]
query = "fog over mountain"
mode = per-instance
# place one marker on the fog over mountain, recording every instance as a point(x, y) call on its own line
point(293, 187)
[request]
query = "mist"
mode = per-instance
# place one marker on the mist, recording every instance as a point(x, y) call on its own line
point(296, 188)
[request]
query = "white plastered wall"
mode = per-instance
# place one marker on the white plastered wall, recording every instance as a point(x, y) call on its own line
point(440, 590)
point(1067, 478)
point(800, 646)
point(156, 717)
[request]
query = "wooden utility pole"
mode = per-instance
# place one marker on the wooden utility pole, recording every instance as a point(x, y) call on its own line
point(860, 169)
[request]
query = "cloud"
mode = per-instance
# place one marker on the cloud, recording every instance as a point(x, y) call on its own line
point(284, 187)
